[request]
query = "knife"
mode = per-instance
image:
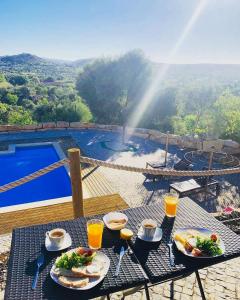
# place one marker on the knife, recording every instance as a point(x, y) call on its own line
point(122, 252)
point(171, 256)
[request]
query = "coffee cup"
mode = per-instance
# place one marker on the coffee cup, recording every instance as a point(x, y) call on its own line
point(149, 227)
point(56, 236)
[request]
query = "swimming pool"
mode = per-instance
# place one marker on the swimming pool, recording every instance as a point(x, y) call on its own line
point(23, 159)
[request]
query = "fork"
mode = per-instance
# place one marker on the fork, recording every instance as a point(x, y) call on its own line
point(171, 256)
point(40, 262)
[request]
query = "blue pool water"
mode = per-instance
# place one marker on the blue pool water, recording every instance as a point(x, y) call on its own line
point(24, 161)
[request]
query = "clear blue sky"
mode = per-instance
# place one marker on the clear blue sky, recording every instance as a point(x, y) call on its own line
point(73, 29)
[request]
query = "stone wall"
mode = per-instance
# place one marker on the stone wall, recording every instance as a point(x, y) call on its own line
point(217, 145)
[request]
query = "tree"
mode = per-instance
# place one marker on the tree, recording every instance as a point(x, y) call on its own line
point(73, 111)
point(2, 78)
point(3, 113)
point(28, 104)
point(17, 80)
point(11, 99)
point(45, 112)
point(19, 116)
point(23, 93)
point(227, 116)
point(106, 84)
point(49, 79)
point(10, 114)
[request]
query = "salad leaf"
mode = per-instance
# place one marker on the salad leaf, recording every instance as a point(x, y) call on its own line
point(208, 246)
point(68, 261)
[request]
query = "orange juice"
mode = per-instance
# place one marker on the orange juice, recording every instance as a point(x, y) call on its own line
point(171, 202)
point(95, 231)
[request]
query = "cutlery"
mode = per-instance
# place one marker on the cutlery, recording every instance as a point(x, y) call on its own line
point(122, 252)
point(171, 256)
point(40, 262)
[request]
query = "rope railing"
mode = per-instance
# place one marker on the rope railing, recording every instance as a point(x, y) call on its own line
point(100, 163)
point(164, 171)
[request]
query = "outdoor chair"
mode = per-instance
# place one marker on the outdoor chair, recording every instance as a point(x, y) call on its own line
point(181, 165)
point(156, 164)
point(194, 186)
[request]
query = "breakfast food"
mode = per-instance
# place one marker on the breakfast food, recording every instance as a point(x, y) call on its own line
point(91, 271)
point(73, 282)
point(115, 220)
point(77, 258)
point(79, 268)
point(198, 243)
point(126, 234)
point(115, 223)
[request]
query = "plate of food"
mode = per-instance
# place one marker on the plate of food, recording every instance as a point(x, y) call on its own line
point(80, 268)
point(199, 242)
point(115, 220)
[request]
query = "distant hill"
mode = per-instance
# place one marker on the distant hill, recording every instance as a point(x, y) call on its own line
point(209, 73)
point(23, 58)
point(42, 67)
point(61, 69)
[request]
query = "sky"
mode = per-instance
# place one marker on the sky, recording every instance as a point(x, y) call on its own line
point(174, 31)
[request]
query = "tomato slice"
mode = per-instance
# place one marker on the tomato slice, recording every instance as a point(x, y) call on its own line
point(214, 237)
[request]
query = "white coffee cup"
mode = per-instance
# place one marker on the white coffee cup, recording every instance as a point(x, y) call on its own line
point(56, 236)
point(149, 227)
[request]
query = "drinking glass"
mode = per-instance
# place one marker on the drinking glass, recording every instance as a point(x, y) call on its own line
point(171, 202)
point(94, 232)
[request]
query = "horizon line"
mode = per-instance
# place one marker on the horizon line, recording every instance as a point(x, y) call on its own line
point(119, 55)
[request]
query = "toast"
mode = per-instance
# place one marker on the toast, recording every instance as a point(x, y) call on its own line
point(84, 272)
point(73, 282)
point(64, 272)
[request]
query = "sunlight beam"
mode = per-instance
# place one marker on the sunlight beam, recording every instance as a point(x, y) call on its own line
point(153, 88)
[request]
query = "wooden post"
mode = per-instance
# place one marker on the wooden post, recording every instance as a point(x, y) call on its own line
point(76, 182)
point(166, 149)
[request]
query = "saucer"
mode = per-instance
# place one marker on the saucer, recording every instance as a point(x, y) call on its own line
point(65, 244)
point(156, 238)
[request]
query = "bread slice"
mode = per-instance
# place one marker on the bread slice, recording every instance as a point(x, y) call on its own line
point(73, 282)
point(64, 272)
point(83, 272)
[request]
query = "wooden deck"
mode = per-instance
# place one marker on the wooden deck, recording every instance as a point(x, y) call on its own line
point(59, 212)
point(96, 183)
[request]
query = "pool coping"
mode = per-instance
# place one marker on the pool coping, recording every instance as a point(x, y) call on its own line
point(47, 202)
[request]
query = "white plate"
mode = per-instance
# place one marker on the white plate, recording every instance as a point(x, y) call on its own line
point(115, 215)
point(203, 231)
point(156, 238)
point(66, 243)
point(100, 258)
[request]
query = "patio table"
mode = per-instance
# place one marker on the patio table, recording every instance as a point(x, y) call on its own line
point(28, 242)
point(154, 257)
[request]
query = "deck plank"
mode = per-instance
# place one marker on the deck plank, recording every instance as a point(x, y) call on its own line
point(96, 183)
point(59, 212)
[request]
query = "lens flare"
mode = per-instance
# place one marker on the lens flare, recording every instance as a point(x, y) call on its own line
point(154, 86)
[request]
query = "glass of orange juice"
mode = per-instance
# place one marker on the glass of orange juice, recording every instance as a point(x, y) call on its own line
point(171, 202)
point(94, 232)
